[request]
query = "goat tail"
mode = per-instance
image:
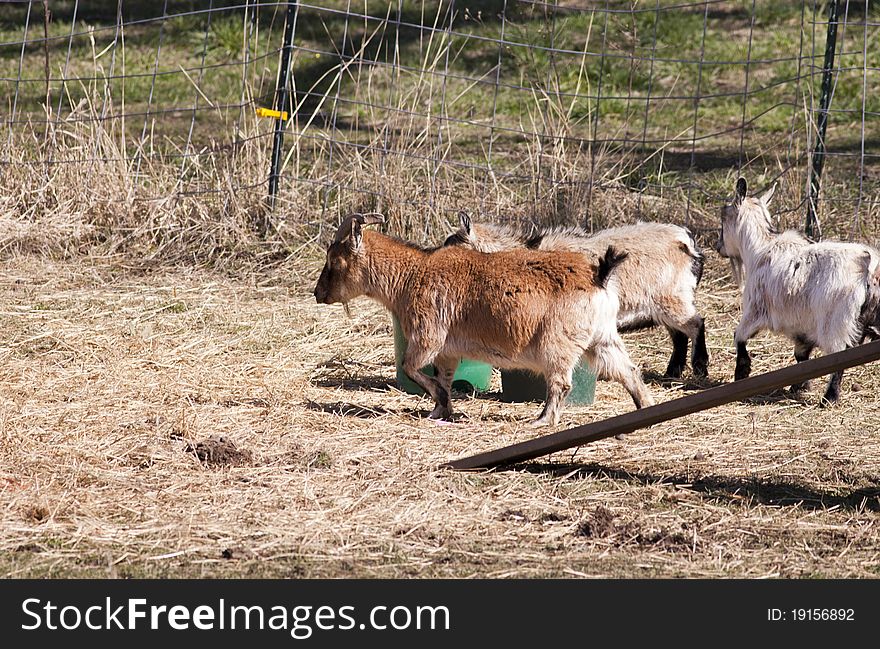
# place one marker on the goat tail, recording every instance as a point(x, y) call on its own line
point(698, 259)
point(698, 262)
point(870, 315)
point(607, 264)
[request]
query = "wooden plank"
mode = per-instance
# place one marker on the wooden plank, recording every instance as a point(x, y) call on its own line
point(710, 398)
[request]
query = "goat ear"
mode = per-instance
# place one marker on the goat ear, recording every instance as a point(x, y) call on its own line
point(344, 228)
point(768, 195)
point(741, 189)
point(464, 220)
point(356, 238)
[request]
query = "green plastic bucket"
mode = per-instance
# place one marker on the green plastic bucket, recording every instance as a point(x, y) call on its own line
point(471, 376)
point(522, 385)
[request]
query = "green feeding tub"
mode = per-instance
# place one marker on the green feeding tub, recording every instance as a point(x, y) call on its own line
point(471, 376)
point(522, 385)
point(516, 385)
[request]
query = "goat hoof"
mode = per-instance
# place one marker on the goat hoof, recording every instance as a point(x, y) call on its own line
point(827, 402)
point(440, 413)
point(674, 372)
point(701, 370)
point(539, 423)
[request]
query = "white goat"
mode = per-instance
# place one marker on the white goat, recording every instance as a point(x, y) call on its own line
point(824, 295)
point(520, 309)
point(656, 283)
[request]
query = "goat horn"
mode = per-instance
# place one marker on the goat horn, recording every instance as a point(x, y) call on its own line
point(362, 219)
point(344, 227)
point(370, 218)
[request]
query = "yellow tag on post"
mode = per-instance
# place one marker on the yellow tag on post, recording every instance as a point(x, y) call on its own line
point(268, 112)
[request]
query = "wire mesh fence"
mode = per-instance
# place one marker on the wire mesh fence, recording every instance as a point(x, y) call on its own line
point(141, 115)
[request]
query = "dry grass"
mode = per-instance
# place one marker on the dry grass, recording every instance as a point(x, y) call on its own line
point(183, 422)
point(174, 403)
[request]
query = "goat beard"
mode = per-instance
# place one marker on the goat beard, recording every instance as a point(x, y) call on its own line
point(736, 269)
point(347, 308)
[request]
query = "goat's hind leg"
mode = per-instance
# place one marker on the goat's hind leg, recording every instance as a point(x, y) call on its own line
point(870, 329)
point(678, 360)
point(694, 330)
point(612, 363)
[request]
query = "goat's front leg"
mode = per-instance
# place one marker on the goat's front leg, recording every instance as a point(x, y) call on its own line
point(745, 330)
point(445, 367)
point(802, 350)
point(415, 358)
point(558, 380)
point(743, 362)
point(700, 353)
point(832, 392)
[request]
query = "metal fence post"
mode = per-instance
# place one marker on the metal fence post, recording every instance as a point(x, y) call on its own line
point(812, 224)
point(281, 101)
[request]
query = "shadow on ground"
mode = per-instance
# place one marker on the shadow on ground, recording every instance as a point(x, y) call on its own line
point(748, 491)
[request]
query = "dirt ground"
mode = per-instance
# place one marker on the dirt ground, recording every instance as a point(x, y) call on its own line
point(183, 422)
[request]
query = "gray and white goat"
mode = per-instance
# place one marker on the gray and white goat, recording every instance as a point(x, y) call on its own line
point(824, 295)
point(656, 283)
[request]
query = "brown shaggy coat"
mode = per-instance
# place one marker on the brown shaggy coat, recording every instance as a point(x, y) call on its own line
point(656, 284)
point(520, 309)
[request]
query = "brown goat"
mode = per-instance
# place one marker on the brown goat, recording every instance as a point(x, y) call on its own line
point(520, 309)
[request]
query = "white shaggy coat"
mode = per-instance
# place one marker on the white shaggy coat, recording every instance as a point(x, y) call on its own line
point(817, 294)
